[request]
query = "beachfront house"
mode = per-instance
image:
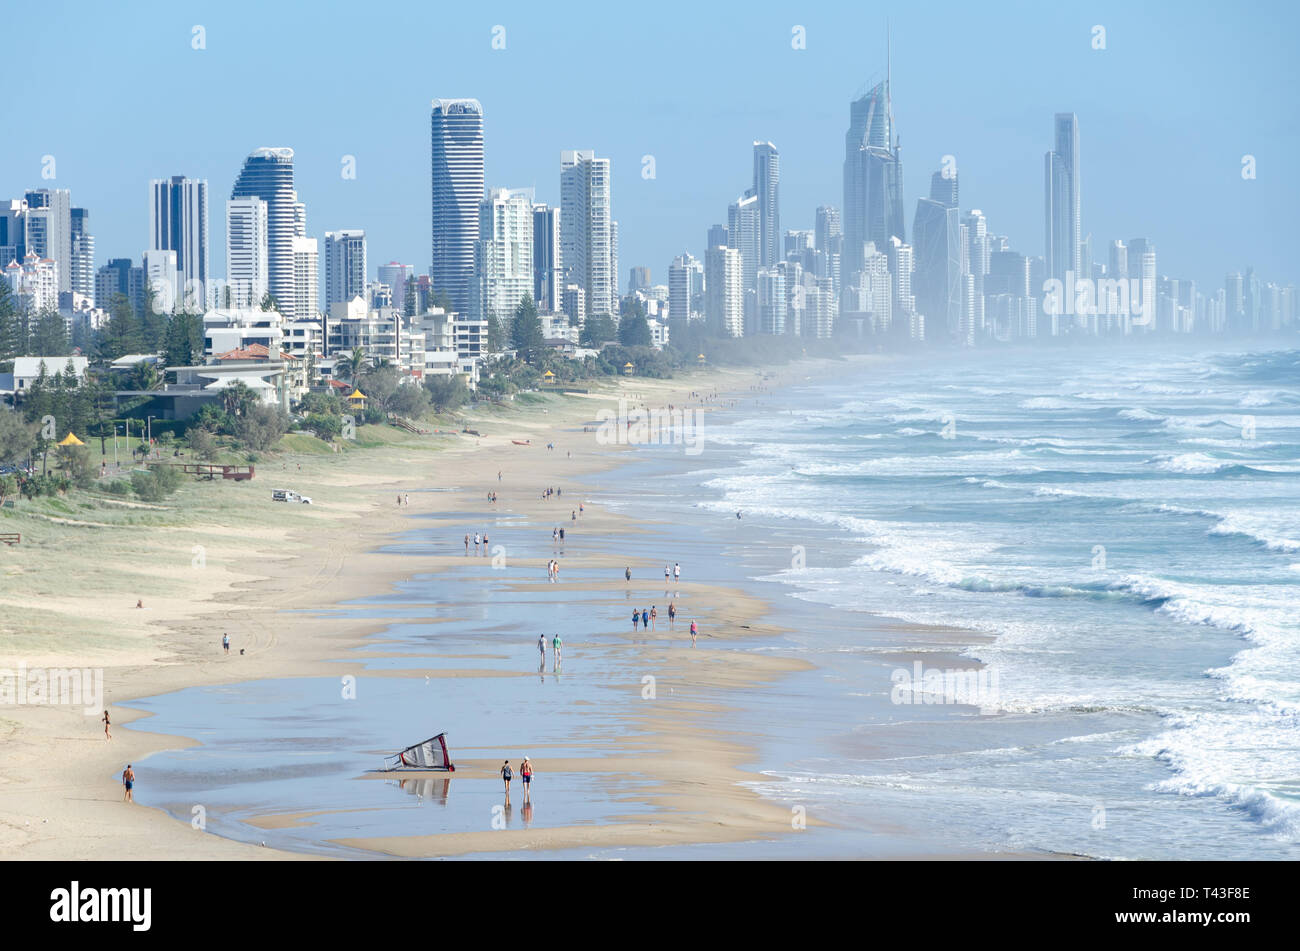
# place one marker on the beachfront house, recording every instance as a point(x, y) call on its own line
point(28, 369)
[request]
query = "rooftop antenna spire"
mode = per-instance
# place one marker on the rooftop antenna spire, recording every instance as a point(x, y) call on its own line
point(889, 90)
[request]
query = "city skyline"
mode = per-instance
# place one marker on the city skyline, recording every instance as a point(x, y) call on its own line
point(1131, 189)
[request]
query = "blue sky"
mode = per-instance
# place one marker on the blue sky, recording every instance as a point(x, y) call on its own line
point(118, 96)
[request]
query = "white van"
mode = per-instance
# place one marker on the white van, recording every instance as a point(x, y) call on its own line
point(288, 495)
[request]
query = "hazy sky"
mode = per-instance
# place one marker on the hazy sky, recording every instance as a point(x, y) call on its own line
point(117, 94)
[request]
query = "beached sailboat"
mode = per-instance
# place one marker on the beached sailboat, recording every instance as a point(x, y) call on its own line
point(431, 754)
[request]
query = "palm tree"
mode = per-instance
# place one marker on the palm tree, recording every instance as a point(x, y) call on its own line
point(351, 367)
point(237, 397)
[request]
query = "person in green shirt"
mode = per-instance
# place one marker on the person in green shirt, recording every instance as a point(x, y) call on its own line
point(557, 645)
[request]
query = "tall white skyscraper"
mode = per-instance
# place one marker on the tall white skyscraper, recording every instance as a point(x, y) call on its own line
point(588, 233)
point(724, 291)
point(503, 259)
point(268, 174)
point(744, 233)
point(345, 267)
point(771, 301)
point(83, 254)
point(49, 230)
point(306, 279)
point(178, 221)
point(767, 182)
point(456, 128)
point(247, 264)
point(685, 288)
point(1061, 201)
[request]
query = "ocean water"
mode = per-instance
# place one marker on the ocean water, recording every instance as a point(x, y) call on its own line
point(1122, 528)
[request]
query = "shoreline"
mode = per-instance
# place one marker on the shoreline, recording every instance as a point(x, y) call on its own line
point(342, 557)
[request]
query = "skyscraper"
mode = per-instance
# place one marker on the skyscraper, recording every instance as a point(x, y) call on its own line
point(457, 170)
point(345, 267)
point(767, 184)
point(247, 259)
point(306, 281)
point(178, 221)
point(937, 281)
point(49, 230)
point(503, 257)
point(943, 188)
point(83, 254)
point(724, 294)
point(588, 232)
point(548, 263)
point(744, 233)
point(685, 288)
point(268, 175)
point(1061, 201)
point(873, 177)
point(396, 275)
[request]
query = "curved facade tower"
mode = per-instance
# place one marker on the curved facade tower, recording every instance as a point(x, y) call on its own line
point(268, 174)
point(457, 167)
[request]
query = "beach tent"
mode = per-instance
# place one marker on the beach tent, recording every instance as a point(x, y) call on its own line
point(71, 440)
point(431, 754)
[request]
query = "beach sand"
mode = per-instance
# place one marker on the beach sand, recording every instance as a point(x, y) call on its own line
point(222, 557)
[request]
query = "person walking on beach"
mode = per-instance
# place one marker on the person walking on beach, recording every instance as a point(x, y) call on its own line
point(507, 774)
point(672, 614)
point(694, 633)
point(555, 537)
point(485, 544)
point(526, 774)
point(561, 537)
point(645, 619)
point(476, 538)
point(654, 614)
point(627, 573)
point(636, 618)
point(406, 499)
point(467, 543)
point(128, 783)
point(677, 571)
point(665, 576)
point(541, 647)
point(557, 646)
point(225, 643)
point(104, 718)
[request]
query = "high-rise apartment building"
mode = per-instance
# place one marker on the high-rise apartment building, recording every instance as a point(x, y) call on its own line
point(247, 254)
point(178, 221)
point(345, 267)
point(1061, 201)
point(267, 175)
point(503, 257)
point(456, 128)
point(588, 232)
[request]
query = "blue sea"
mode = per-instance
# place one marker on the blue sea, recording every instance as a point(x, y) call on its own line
point(1120, 528)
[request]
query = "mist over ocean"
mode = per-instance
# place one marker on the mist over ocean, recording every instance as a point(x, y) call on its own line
point(1123, 524)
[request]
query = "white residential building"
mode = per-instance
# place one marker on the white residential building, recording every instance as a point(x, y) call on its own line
point(302, 306)
point(503, 255)
point(247, 264)
point(588, 232)
point(35, 282)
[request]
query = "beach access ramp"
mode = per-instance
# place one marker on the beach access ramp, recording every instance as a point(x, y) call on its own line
point(431, 754)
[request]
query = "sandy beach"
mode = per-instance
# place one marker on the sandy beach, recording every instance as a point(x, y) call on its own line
point(223, 558)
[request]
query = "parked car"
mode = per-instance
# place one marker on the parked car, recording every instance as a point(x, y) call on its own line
point(288, 495)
